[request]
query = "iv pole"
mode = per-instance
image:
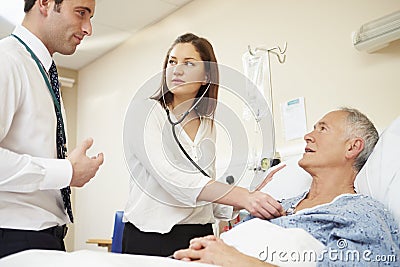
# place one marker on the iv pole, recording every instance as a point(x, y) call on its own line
point(280, 53)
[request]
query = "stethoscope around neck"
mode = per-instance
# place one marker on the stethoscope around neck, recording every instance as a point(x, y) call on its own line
point(173, 124)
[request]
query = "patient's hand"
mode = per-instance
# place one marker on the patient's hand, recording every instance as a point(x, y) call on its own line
point(269, 177)
point(213, 250)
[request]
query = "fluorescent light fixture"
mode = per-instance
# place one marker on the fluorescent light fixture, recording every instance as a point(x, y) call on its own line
point(66, 82)
point(12, 11)
point(378, 33)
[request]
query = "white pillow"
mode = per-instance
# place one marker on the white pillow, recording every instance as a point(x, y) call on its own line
point(380, 176)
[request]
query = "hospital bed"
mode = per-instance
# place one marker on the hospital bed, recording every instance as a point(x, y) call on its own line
point(379, 178)
point(88, 258)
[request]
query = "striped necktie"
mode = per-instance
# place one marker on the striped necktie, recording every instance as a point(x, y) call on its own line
point(61, 140)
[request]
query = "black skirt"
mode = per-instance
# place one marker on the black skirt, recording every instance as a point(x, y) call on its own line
point(137, 242)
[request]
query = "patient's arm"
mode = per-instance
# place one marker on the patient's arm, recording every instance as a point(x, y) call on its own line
point(269, 177)
point(213, 250)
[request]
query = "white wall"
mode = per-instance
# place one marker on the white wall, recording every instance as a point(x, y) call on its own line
point(69, 96)
point(321, 65)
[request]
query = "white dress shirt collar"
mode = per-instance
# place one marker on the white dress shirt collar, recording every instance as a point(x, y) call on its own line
point(35, 44)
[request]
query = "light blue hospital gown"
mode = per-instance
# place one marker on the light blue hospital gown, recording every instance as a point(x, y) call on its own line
point(356, 230)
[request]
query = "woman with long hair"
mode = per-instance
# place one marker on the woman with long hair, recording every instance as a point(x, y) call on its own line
point(174, 197)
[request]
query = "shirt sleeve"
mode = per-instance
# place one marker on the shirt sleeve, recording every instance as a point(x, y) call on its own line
point(224, 212)
point(23, 172)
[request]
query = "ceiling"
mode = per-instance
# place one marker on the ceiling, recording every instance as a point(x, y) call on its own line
point(114, 21)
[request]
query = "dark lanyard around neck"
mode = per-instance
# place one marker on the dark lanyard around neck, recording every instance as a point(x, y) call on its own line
point(43, 72)
point(46, 79)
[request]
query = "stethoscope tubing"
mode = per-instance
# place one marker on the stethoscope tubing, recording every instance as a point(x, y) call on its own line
point(173, 124)
point(184, 151)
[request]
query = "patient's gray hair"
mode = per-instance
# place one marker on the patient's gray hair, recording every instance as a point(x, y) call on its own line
point(358, 125)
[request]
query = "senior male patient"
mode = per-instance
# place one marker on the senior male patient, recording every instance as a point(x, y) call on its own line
point(330, 211)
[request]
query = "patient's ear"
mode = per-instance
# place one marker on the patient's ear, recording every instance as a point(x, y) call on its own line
point(354, 147)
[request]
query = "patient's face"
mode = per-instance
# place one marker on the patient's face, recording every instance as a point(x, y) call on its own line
point(326, 144)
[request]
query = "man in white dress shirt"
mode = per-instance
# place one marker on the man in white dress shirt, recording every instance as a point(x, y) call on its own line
point(32, 213)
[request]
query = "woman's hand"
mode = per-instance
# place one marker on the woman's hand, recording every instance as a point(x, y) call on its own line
point(257, 203)
point(263, 206)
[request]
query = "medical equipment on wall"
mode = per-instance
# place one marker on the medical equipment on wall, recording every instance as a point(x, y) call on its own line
point(257, 67)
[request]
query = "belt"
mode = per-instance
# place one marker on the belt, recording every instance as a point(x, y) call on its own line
point(58, 231)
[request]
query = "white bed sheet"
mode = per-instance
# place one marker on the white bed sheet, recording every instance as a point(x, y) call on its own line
point(274, 244)
point(88, 258)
